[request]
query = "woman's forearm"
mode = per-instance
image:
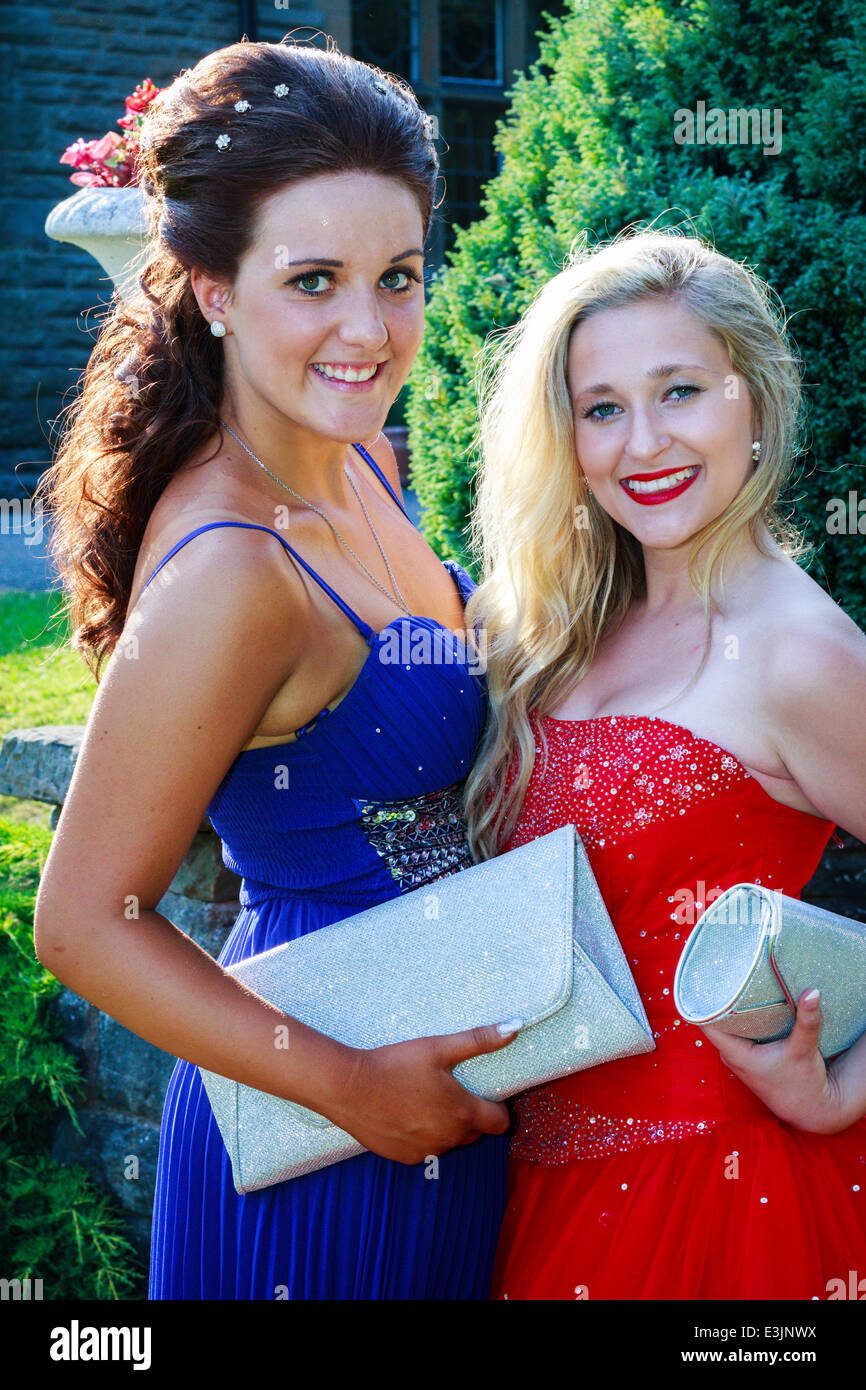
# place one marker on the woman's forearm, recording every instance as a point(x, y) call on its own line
point(157, 982)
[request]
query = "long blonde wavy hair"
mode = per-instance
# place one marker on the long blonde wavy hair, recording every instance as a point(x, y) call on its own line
point(551, 588)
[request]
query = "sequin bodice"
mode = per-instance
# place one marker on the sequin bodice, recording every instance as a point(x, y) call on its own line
point(666, 818)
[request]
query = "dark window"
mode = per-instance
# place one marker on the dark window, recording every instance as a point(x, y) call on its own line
point(468, 92)
point(470, 160)
point(383, 33)
point(471, 40)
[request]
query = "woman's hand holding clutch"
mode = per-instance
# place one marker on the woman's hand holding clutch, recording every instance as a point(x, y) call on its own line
point(402, 1102)
point(525, 933)
point(791, 1077)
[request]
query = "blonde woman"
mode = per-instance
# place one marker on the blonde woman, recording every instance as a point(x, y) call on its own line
point(664, 675)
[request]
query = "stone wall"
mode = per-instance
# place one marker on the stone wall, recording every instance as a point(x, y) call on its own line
point(839, 882)
point(126, 1077)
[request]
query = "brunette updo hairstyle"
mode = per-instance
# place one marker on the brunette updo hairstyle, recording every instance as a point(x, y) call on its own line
point(153, 384)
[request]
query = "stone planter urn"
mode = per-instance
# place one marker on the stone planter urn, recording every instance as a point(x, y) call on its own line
point(110, 224)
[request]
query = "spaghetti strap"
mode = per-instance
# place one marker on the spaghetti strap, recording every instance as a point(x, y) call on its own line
point(368, 633)
point(379, 474)
point(365, 630)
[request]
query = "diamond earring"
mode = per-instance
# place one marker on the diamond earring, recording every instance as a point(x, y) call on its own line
point(756, 450)
point(218, 329)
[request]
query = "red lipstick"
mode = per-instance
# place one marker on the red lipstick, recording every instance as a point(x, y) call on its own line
point(653, 498)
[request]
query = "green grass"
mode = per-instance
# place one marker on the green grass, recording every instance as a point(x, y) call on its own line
point(42, 680)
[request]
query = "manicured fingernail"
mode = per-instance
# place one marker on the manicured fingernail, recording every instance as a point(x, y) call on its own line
point(513, 1025)
point(812, 997)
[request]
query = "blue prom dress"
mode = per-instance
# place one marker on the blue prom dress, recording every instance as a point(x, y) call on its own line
point(372, 810)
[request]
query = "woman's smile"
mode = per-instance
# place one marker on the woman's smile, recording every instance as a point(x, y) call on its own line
point(348, 376)
point(649, 489)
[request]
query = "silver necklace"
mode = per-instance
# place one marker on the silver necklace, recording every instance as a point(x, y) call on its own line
point(400, 599)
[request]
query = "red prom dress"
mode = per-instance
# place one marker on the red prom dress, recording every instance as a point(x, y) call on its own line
point(663, 1176)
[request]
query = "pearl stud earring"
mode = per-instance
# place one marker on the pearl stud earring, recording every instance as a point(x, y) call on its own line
point(218, 329)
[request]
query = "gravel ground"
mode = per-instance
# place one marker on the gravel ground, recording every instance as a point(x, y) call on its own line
point(24, 563)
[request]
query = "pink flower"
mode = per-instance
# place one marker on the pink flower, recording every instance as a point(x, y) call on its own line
point(104, 148)
point(142, 96)
point(75, 154)
point(110, 162)
point(88, 180)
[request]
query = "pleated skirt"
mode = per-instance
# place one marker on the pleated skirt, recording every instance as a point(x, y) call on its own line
point(366, 1228)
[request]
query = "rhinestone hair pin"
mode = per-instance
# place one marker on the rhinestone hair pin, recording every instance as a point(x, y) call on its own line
point(224, 142)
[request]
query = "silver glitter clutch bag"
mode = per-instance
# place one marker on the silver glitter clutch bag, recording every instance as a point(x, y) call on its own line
point(752, 954)
point(523, 935)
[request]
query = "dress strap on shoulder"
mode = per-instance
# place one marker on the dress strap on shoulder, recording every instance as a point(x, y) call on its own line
point(377, 470)
point(368, 633)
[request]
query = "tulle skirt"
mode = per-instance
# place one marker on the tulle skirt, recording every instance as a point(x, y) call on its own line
point(752, 1210)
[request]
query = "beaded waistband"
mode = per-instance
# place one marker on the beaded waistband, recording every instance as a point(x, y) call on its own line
point(420, 838)
point(552, 1129)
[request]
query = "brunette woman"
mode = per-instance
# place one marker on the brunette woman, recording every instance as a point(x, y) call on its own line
point(239, 395)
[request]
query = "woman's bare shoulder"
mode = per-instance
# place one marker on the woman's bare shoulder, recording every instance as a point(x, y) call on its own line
point(813, 654)
point(194, 497)
point(812, 692)
point(796, 609)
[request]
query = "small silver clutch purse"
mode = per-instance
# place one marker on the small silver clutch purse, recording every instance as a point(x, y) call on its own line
point(523, 935)
point(754, 951)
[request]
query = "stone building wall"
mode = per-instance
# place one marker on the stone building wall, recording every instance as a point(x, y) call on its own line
point(66, 70)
